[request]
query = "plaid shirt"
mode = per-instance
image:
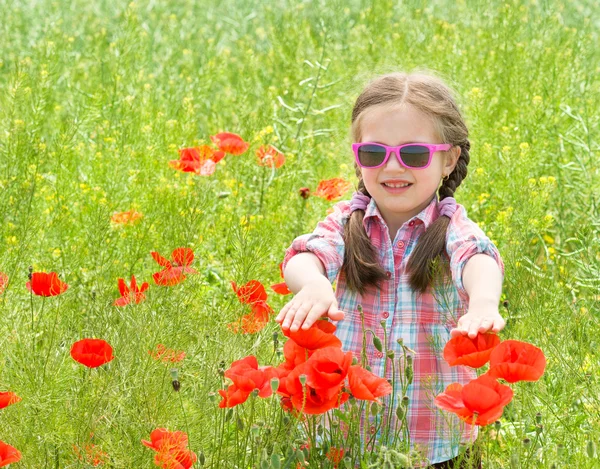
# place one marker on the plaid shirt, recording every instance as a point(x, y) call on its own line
point(423, 322)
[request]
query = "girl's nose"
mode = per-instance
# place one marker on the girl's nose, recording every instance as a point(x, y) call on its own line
point(394, 164)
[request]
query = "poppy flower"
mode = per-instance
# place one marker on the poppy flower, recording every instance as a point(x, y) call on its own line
point(328, 367)
point(8, 398)
point(254, 321)
point(174, 271)
point(179, 458)
point(162, 439)
point(367, 386)
point(198, 160)
point(479, 402)
point(281, 288)
point(8, 454)
point(132, 293)
point(250, 293)
point(92, 352)
point(269, 156)
point(304, 192)
point(246, 376)
point(308, 399)
point(3, 282)
point(43, 284)
point(319, 335)
point(514, 361)
point(335, 456)
point(230, 143)
point(463, 350)
point(165, 354)
point(90, 454)
point(332, 189)
point(124, 218)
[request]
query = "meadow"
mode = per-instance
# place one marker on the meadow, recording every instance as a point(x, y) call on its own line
point(96, 98)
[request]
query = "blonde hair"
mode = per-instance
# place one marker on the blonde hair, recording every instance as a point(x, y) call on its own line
point(430, 95)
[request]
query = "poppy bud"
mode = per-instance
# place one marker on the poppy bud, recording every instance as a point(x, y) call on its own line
point(539, 429)
point(93, 295)
point(526, 442)
point(405, 401)
point(300, 456)
point(400, 342)
point(302, 379)
point(377, 343)
point(286, 420)
point(228, 415)
point(354, 361)
point(201, 458)
point(538, 418)
point(274, 384)
point(254, 430)
point(347, 462)
point(382, 324)
point(400, 412)
point(176, 385)
point(505, 304)
point(408, 371)
point(391, 354)
point(254, 392)
point(335, 423)
point(264, 464)
point(591, 449)
point(275, 339)
point(175, 379)
point(374, 408)
point(30, 274)
point(497, 425)
point(239, 423)
point(275, 461)
point(560, 449)
point(325, 446)
point(212, 397)
point(319, 429)
point(304, 192)
point(367, 367)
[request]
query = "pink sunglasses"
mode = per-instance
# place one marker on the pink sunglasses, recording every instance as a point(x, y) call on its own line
point(410, 155)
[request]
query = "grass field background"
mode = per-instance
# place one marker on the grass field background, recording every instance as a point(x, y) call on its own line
point(96, 98)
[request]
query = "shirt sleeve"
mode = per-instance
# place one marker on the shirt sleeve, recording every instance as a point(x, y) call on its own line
point(326, 241)
point(464, 239)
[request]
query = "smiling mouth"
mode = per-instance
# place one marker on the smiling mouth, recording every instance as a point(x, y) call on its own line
point(396, 186)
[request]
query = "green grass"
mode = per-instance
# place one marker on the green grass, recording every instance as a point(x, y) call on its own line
point(96, 98)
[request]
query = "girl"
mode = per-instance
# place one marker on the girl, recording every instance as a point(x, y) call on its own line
point(383, 246)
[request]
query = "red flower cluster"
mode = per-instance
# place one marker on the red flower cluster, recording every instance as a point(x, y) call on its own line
point(174, 271)
point(124, 218)
point(92, 352)
point(131, 294)
point(8, 454)
point(8, 398)
point(165, 354)
point(3, 282)
point(331, 189)
point(269, 156)
point(90, 454)
point(482, 401)
point(246, 376)
point(253, 294)
point(171, 449)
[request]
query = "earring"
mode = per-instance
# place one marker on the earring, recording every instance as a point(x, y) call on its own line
point(445, 178)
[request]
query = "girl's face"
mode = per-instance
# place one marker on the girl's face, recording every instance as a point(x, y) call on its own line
point(397, 126)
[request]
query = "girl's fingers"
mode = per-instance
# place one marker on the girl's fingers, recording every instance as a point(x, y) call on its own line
point(289, 317)
point(485, 325)
point(499, 325)
point(299, 317)
point(315, 313)
point(283, 312)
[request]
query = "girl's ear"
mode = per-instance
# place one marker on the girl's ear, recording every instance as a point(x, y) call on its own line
point(452, 159)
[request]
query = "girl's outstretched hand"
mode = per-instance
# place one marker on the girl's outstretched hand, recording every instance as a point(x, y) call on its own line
point(314, 300)
point(479, 320)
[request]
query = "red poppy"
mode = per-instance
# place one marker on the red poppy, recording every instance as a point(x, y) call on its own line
point(319, 335)
point(269, 156)
point(246, 376)
point(332, 189)
point(174, 271)
point(367, 386)
point(3, 282)
point(281, 288)
point(179, 458)
point(294, 354)
point(165, 354)
point(198, 160)
point(92, 352)
point(43, 284)
point(8, 398)
point(514, 361)
point(8, 454)
point(462, 350)
point(124, 218)
point(479, 402)
point(90, 454)
point(335, 456)
point(306, 398)
point(132, 293)
point(250, 293)
point(254, 321)
point(328, 367)
point(230, 143)
point(162, 439)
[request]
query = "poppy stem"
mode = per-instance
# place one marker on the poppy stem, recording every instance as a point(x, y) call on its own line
point(51, 341)
point(262, 188)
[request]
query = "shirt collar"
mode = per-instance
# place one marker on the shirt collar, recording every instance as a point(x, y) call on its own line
point(427, 216)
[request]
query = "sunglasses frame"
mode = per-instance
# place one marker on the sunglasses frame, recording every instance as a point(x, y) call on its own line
point(388, 150)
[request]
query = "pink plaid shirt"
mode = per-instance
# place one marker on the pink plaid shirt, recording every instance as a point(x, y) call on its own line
point(423, 322)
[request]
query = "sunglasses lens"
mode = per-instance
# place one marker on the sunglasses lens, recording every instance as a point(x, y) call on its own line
point(371, 155)
point(415, 156)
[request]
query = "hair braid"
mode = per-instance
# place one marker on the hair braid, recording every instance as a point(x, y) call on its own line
point(450, 185)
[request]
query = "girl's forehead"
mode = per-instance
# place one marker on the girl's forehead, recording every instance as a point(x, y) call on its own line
point(397, 125)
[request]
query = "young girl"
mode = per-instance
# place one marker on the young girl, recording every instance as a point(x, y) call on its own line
point(411, 143)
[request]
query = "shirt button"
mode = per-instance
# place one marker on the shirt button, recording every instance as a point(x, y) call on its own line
point(400, 244)
point(412, 223)
point(379, 354)
point(386, 314)
point(388, 274)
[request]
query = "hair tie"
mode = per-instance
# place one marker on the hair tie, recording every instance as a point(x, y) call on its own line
point(447, 207)
point(359, 201)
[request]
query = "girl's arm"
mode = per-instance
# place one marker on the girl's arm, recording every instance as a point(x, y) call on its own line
point(314, 297)
point(482, 279)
